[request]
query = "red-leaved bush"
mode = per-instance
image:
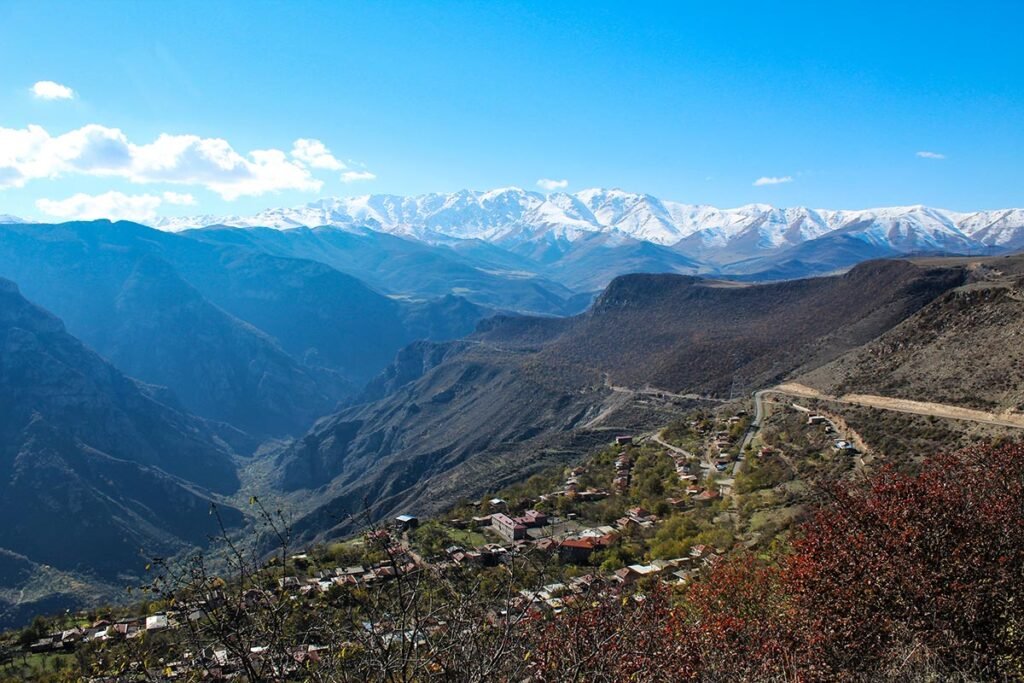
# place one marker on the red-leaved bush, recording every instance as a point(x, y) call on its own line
point(905, 577)
point(925, 569)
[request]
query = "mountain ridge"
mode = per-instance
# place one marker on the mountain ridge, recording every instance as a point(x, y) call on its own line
point(510, 216)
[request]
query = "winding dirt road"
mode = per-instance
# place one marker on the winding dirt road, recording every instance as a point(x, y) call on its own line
point(900, 405)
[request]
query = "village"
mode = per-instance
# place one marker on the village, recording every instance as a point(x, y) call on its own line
point(648, 510)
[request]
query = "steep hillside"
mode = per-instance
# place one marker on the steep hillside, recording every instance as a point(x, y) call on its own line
point(964, 348)
point(28, 589)
point(94, 470)
point(222, 368)
point(478, 419)
point(120, 295)
point(521, 389)
point(687, 334)
point(323, 318)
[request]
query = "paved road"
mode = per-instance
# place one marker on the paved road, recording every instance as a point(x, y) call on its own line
point(755, 425)
point(758, 408)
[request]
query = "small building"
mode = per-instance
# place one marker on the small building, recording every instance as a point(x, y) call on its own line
point(636, 571)
point(816, 419)
point(623, 440)
point(507, 528)
point(843, 445)
point(157, 622)
point(626, 523)
point(625, 575)
point(44, 645)
point(546, 545)
point(378, 536)
point(585, 583)
point(706, 496)
point(406, 522)
point(532, 519)
point(477, 522)
point(577, 550)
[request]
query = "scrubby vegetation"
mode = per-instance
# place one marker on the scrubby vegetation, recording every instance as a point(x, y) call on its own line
point(894, 577)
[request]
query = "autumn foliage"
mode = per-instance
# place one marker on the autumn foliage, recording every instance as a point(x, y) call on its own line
point(918, 570)
point(904, 577)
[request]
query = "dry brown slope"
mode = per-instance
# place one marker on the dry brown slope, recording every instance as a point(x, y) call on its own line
point(964, 349)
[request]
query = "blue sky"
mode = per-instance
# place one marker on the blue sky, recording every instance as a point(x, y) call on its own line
point(688, 101)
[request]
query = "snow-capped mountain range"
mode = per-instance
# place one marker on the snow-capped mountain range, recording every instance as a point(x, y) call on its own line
point(512, 216)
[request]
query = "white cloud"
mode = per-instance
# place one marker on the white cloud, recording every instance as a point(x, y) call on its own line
point(772, 180)
point(179, 198)
point(316, 154)
point(112, 205)
point(48, 90)
point(552, 185)
point(931, 155)
point(32, 153)
point(356, 176)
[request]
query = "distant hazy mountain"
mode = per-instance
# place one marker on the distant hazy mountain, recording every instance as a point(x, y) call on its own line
point(117, 290)
point(95, 470)
point(409, 269)
point(265, 342)
point(512, 217)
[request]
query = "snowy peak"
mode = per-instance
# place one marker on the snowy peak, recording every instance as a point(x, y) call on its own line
point(997, 228)
point(512, 216)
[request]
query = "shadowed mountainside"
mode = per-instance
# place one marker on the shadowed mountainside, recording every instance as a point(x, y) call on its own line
point(93, 468)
